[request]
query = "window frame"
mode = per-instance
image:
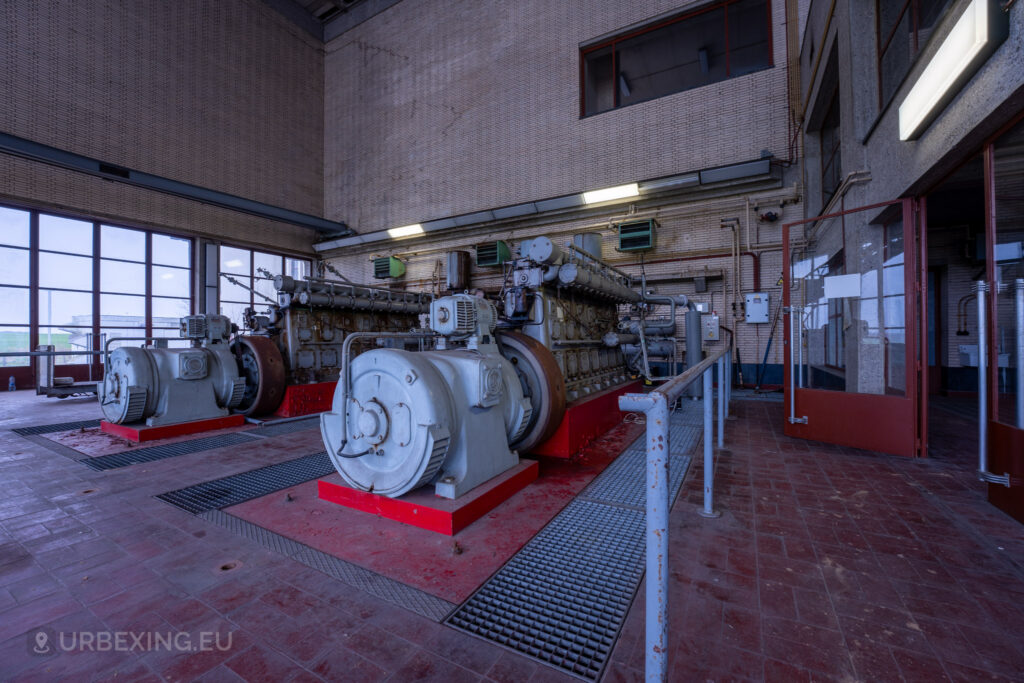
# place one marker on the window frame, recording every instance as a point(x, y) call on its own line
point(917, 45)
point(249, 280)
point(656, 25)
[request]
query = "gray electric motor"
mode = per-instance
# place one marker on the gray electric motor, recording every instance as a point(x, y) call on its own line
point(169, 386)
point(405, 419)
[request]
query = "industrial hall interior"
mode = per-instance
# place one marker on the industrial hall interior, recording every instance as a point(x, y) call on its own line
point(512, 342)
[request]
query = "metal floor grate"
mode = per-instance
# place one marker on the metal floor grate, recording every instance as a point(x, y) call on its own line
point(370, 582)
point(238, 488)
point(267, 430)
point(562, 599)
point(169, 450)
point(58, 427)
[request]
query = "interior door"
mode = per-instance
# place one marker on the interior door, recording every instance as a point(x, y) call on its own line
point(851, 339)
point(1004, 161)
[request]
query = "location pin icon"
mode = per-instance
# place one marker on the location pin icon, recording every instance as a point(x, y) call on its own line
point(41, 642)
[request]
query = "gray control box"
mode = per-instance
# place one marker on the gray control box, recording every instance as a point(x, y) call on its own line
point(757, 307)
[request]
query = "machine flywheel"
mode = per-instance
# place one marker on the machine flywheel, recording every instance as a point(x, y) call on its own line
point(539, 372)
point(260, 363)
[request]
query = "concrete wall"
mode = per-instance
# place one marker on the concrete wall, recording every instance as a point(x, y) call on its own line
point(227, 95)
point(482, 110)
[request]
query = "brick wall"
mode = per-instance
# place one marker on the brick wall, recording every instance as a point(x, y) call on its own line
point(442, 107)
point(226, 95)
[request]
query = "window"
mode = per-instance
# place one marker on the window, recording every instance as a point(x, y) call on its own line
point(716, 42)
point(247, 279)
point(94, 281)
point(831, 159)
point(902, 29)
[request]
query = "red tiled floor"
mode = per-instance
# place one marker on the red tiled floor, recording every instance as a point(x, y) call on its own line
point(828, 564)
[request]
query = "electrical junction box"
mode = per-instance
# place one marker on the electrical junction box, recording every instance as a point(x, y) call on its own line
point(757, 307)
point(701, 306)
point(709, 327)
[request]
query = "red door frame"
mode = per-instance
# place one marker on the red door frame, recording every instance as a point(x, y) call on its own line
point(870, 421)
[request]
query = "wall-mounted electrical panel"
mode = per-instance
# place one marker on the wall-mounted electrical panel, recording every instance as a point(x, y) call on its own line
point(636, 235)
point(387, 267)
point(757, 307)
point(492, 253)
point(709, 327)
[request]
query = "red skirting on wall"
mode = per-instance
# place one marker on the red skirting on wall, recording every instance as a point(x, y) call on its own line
point(306, 399)
point(421, 508)
point(140, 432)
point(586, 419)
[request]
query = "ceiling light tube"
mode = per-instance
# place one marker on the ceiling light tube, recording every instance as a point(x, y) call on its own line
point(405, 231)
point(976, 34)
point(611, 193)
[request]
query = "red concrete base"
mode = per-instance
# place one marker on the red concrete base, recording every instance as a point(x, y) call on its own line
point(421, 508)
point(306, 399)
point(586, 419)
point(140, 432)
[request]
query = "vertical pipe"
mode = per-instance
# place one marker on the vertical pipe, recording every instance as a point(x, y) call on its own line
point(709, 458)
point(982, 287)
point(657, 539)
point(728, 383)
point(792, 369)
point(1018, 287)
point(800, 346)
point(721, 402)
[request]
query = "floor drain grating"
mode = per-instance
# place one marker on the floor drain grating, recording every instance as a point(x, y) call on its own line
point(58, 427)
point(238, 488)
point(169, 450)
point(562, 599)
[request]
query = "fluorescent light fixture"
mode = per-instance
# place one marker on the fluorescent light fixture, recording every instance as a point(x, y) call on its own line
point(405, 231)
point(610, 193)
point(979, 30)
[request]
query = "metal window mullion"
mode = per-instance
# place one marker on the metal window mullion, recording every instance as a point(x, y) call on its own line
point(94, 363)
point(149, 284)
point(33, 287)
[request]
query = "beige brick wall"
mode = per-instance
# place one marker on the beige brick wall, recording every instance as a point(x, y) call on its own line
point(442, 107)
point(226, 95)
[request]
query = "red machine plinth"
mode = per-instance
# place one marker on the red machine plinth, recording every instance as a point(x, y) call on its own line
point(140, 432)
point(586, 419)
point(306, 399)
point(421, 508)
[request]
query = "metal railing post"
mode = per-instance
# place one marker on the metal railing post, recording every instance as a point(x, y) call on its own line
point(982, 287)
point(709, 454)
point(1018, 287)
point(721, 402)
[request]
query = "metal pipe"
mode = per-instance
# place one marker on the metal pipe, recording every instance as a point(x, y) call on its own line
point(709, 454)
point(573, 248)
point(1018, 287)
point(800, 346)
point(792, 368)
point(24, 354)
point(982, 287)
point(721, 401)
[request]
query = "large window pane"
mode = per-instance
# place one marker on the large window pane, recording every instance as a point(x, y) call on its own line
point(172, 251)
point(14, 227)
point(234, 260)
point(1008, 182)
point(167, 312)
point(64, 308)
point(122, 243)
point(170, 281)
point(14, 305)
point(14, 339)
point(67, 339)
point(266, 263)
point(122, 309)
point(173, 337)
point(65, 234)
point(748, 38)
point(65, 272)
point(127, 278)
point(232, 291)
point(234, 311)
point(14, 266)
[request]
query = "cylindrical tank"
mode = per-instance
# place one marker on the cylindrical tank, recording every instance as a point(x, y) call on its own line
point(543, 250)
point(168, 386)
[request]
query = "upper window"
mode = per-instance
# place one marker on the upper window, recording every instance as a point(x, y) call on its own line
point(903, 27)
point(831, 145)
point(718, 41)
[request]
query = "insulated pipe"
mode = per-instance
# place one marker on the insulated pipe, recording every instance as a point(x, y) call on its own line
point(615, 339)
point(982, 287)
point(577, 275)
point(694, 345)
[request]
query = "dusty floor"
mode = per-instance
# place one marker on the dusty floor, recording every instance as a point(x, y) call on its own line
point(827, 564)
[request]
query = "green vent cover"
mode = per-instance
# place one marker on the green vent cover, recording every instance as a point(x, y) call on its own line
point(636, 235)
point(387, 266)
point(492, 253)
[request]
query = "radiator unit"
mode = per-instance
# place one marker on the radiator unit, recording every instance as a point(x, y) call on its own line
point(387, 267)
point(492, 254)
point(636, 235)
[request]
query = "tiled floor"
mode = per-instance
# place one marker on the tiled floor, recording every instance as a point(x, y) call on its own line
point(827, 564)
